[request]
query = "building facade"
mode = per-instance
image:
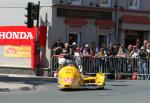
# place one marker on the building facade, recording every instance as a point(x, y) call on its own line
point(81, 21)
point(101, 21)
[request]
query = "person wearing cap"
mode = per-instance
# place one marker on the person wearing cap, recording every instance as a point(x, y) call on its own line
point(74, 43)
point(86, 50)
point(73, 48)
point(77, 59)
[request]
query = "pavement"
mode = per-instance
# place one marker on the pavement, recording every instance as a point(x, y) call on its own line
point(12, 86)
point(17, 82)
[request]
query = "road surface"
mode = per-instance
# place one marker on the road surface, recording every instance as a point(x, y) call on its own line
point(121, 91)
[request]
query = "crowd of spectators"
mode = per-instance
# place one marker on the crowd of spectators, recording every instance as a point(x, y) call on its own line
point(138, 50)
point(113, 50)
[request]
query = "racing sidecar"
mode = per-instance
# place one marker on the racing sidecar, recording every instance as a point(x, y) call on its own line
point(69, 77)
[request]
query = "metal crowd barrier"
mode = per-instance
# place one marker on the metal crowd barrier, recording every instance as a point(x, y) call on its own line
point(109, 65)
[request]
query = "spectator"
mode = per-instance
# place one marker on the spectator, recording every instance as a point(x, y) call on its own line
point(145, 44)
point(68, 49)
point(148, 49)
point(85, 58)
point(77, 59)
point(105, 48)
point(93, 49)
point(58, 44)
point(73, 47)
point(101, 60)
point(129, 50)
point(129, 61)
point(134, 53)
point(101, 53)
point(138, 44)
point(121, 52)
point(142, 62)
point(57, 48)
point(86, 50)
point(115, 50)
point(143, 53)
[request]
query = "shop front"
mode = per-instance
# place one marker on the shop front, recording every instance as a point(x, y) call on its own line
point(85, 24)
point(105, 31)
point(133, 28)
point(18, 46)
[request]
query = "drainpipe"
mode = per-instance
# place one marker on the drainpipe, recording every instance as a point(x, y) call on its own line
point(117, 22)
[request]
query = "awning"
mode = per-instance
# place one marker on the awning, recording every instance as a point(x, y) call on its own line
point(75, 21)
point(135, 19)
point(105, 23)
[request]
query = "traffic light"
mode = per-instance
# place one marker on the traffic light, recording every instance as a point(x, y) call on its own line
point(29, 15)
point(32, 14)
point(35, 13)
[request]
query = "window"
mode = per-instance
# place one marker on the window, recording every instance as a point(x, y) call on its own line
point(105, 3)
point(134, 4)
point(75, 2)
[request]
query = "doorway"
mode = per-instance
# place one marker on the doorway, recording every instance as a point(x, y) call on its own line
point(74, 37)
point(103, 39)
point(132, 36)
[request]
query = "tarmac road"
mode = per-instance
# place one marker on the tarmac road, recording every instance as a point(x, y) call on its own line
point(121, 91)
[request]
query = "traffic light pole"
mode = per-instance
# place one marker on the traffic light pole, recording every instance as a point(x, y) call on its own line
point(37, 46)
point(33, 14)
point(37, 30)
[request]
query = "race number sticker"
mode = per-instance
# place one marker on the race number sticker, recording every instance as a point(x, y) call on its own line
point(68, 80)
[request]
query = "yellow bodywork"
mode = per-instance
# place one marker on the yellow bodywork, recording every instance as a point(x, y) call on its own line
point(70, 77)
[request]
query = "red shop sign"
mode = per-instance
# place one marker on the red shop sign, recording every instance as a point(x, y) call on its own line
point(21, 35)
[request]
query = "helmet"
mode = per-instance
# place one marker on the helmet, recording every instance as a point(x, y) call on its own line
point(61, 61)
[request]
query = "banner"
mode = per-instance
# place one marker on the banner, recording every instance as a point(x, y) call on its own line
point(21, 35)
point(17, 51)
point(18, 45)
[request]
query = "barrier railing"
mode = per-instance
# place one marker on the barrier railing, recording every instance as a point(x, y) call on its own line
point(109, 65)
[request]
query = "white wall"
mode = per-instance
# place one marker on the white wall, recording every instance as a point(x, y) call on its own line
point(13, 11)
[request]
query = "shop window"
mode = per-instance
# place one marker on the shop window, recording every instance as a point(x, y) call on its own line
point(105, 3)
point(103, 39)
point(75, 2)
point(134, 4)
